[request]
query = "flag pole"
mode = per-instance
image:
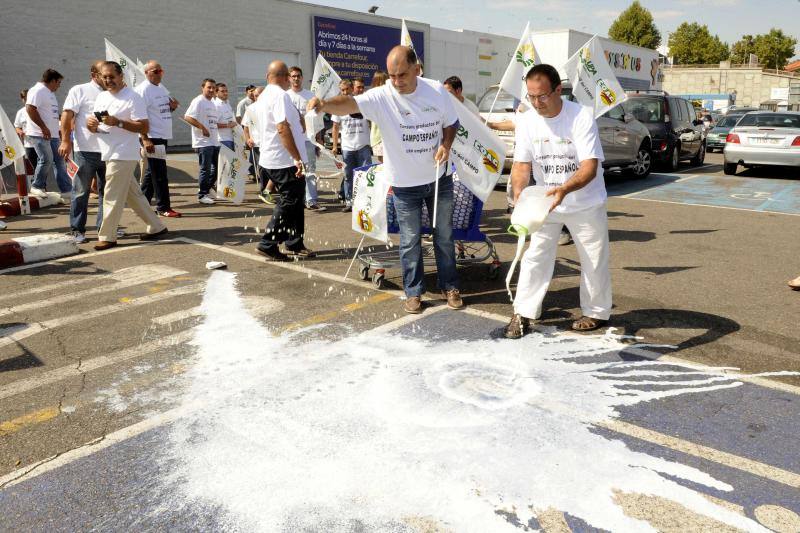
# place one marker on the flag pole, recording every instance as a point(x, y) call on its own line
point(358, 249)
point(436, 196)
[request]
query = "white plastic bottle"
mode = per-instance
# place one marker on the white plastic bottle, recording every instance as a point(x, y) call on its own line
point(530, 211)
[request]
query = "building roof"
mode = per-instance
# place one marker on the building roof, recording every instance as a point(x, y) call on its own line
point(793, 66)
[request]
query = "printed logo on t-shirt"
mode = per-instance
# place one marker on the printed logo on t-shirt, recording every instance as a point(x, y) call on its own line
point(557, 158)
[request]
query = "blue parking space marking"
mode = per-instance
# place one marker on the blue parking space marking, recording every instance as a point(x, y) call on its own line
point(756, 194)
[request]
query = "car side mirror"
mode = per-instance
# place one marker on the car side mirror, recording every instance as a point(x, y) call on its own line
point(627, 117)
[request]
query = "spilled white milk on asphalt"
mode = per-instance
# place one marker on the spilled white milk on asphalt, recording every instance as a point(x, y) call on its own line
point(381, 431)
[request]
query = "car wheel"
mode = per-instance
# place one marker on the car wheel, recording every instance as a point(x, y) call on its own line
point(641, 167)
point(710, 150)
point(674, 159)
point(700, 157)
point(729, 169)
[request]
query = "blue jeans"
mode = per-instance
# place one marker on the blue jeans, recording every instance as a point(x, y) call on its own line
point(47, 152)
point(155, 181)
point(311, 174)
point(229, 144)
point(408, 205)
point(208, 169)
point(89, 165)
point(357, 158)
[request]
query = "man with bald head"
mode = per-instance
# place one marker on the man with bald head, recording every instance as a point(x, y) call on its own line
point(160, 106)
point(282, 156)
point(418, 123)
point(79, 106)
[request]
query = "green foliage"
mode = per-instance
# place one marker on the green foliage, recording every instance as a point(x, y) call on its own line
point(774, 48)
point(741, 50)
point(693, 44)
point(635, 26)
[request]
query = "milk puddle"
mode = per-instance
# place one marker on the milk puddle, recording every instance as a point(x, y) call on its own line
point(380, 432)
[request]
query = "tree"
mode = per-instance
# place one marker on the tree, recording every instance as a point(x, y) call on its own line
point(741, 50)
point(692, 44)
point(635, 26)
point(774, 48)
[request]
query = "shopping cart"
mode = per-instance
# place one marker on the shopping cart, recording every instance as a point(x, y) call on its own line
point(472, 245)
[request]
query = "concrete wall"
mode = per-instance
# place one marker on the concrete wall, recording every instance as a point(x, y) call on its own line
point(752, 85)
point(193, 39)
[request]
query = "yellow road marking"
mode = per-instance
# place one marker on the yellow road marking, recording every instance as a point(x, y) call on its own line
point(349, 308)
point(125, 299)
point(12, 426)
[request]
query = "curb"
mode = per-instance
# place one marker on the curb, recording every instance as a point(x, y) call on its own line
point(12, 207)
point(23, 250)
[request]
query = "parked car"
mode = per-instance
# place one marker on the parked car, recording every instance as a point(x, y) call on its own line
point(625, 141)
point(764, 138)
point(676, 132)
point(715, 138)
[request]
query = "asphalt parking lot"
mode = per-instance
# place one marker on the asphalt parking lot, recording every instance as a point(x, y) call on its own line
point(109, 360)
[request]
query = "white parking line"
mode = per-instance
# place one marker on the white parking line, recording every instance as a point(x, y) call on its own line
point(626, 197)
point(80, 257)
point(124, 278)
point(10, 335)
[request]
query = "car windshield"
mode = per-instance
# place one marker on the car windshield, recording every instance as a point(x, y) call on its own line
point(771, 120)
point(505, 102)
point(645, 109)
point(728, 121)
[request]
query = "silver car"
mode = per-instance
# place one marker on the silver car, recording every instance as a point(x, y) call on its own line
point(626, 141)
point(764, 138)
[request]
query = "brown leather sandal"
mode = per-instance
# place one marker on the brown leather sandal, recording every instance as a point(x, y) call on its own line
point(587, 323)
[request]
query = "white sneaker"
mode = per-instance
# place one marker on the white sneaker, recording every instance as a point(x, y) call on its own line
point(35, 191)
point(77, 236)
point(2, 225)
point(212, 193)
point(207, 200)
point(565, 238)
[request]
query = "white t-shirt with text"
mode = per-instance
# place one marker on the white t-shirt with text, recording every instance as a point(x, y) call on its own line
point(250, 121)
point(273, 107)
point(80, 100)
point(45, 102)
point(204, 111)
point(411, 126)
point(225, 114)
point(118, 144)
point(355, 131)
point(158, 111)
point(20, 120)
point(557, 146)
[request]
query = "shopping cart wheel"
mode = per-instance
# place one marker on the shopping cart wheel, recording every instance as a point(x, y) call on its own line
point(377, 279)
point(364, 272)
point(494, 271)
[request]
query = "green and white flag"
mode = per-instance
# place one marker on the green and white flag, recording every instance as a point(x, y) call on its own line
point(131, 71)
point(11, 149)
point(370, 188)
point(324, 84)
point(405, 36)
point(593, 82)
point(231, 175)
point(524, 58)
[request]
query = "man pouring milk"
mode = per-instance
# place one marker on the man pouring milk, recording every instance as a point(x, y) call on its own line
point(561, 145)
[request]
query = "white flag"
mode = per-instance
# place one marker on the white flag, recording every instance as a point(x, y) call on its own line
point(231, 180)
point(325, 82)
point(239, 142)
point(370, 188)
point(479, 154)
point(524, 58)
point(593, 82)
point(130, 71)
point(405, 36)
point(11, 148)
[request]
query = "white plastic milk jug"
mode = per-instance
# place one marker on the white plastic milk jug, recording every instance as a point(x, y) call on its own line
point(529, 214)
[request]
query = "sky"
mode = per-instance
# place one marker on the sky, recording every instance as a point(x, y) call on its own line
point(730, 19)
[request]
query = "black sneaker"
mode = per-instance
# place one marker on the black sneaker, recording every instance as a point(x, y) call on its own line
point(517, 327)
point(273, 254)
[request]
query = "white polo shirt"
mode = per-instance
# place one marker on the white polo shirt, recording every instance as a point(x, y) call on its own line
point(159, 114)
point(45, 102)
point(80, 100)
point(119, 144)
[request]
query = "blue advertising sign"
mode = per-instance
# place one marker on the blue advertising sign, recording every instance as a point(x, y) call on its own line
point(357, 49)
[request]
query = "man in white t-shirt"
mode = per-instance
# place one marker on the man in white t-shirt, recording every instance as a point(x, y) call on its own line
point(251, 132)
point(356, 149)
point(42, 131)
point(160, 106)
point(283, 152)
point(76, 137)
point(124, 117)
point(559, 141)
point(418, 124)
point(202, 115)
point(245, 102)
point(455, 87)
point(226, 118)
point(300, 98)
point(20, 121)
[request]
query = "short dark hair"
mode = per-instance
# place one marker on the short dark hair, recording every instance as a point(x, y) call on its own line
point(249, 88)
point(548, 71)
point(23, 94)
point(113, 64)
point(50, 75)
point(296, 69)
point(454, 82)
point(359, 78)
point(221, 84)
point(346, 80)
point(206, 80)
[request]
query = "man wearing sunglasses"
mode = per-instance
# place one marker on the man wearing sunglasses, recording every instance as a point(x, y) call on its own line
point(560, 143)
point(160, 106)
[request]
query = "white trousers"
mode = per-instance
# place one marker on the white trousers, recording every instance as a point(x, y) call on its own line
point(589, 229)
point(121, 188)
